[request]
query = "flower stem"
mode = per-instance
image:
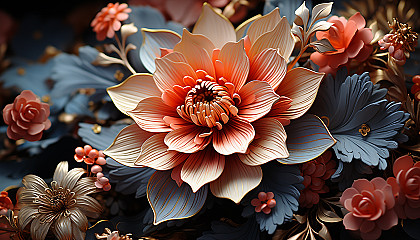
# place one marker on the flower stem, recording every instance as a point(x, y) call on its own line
point(123, 56)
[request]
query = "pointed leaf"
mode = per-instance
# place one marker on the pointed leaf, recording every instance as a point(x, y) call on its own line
point(302, 15)
point(168, 201)
point(322, 46)
point(307, 138)
point(319, 26)
point(320, 11)
point(153, 41)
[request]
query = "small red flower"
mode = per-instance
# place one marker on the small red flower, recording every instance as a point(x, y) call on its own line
point(109, 19)
point(5, 203)
point(406, 187)
point(371, 207)
point(27, 117)
point(315, 173)
point(89, 155)
point(265, 202)
point(415, 89)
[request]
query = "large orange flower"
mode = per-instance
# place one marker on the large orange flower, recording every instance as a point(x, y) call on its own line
point(214, 109)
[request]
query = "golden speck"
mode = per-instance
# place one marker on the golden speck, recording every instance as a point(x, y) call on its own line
point(46, 98)
point(21, 71)
point(37, 35)
point(20, 141)
point(96, 128)
point(118, 75)
point(364, 130)
point(66, 118)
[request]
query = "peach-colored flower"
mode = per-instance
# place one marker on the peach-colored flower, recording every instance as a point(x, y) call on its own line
point(27, 117)
point(415, 89)
point(108, 20)
point(5, 203)
point(406, 187)
point(215, 107)
point(371, 207)
point(315, 173)
point(185, 12)
point(265, 202)
point(351, 40)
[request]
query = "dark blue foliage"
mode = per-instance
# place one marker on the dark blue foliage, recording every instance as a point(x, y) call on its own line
point(223, 231)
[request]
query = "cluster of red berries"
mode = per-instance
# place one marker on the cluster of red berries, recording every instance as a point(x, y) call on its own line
point(95, 158)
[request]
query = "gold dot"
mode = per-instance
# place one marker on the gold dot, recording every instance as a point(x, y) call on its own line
point(20, 141)
point(21, 71)
point(96, 128)
point(364, 130)
point(46, 98)
point(118, 75)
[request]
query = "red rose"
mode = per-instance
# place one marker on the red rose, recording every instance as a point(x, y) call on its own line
point(406, 187)
point(370, 204)
point(27, 117)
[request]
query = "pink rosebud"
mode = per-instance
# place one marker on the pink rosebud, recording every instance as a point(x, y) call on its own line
point(351, 40)
point(106, 187)
point(109, 19)
point(96, 169)
point(93, 154)
point(101, 161)
point(27, 117)
point(371, 207)
point(87, 149)
point(406, 187)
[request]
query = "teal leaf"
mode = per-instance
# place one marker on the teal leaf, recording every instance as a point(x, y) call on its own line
point(169, 202)
point(307, 138)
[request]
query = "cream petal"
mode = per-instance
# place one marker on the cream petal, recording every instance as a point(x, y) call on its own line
point(263, 24)
point(153, 41)
point(197, 49)
point(202, 167)
point(257, 97)
point(39, 230)
point(85, 186)
point(60, 172)
point(77, 233)
point(280, 38)
point(88, 206)
point(236, 180)
point(129, 93)
point(26, 215)
point(34, 182)
point(127, 145)
point(169, 73)
point(301, 85)
point(268, 66)
point(149, 114)
point(215, 27)
point(79, 219)
point(155, 154)
point(70, 180)
point(187, 139)
point(235, 63)
point(235, 136)
point(270, 144)
point(243, 27)
point(62, 228)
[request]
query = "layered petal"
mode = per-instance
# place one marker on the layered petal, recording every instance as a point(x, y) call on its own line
point(188, 139)
point(129, 93)
point(257, 98)
point(263, 24)
point(215, 27)
point(234, 137)
point(127, 145)
point(269, 145)
point(150, 112)
point(202, 167)
point(169, 73)
point(301, 85)
point(236, 180)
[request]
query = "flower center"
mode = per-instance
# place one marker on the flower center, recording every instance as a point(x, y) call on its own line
point(208, 103)
point(364, 130)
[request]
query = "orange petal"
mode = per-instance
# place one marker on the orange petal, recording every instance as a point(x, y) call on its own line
point(243, 27)
point(197, 50)
point(270, 145)
point(359, 20)
point(235, 136)
point(150, 112)
point(127, 145)
point(202, 167)
point(187, 139)
point(129, 93)
point(236, 180)
point(263, 24)
point(215, 27)
point(169, 73)
point(279, 38)
point(257, 98)
point(176, 175)
point(279, 108)
point(155, 154)
point(301, 85)
point(268, 66)
point(235, 63)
